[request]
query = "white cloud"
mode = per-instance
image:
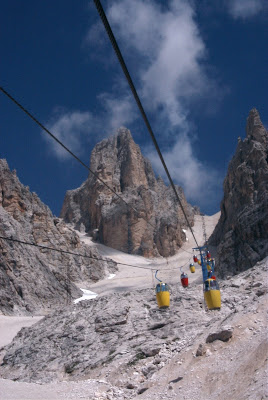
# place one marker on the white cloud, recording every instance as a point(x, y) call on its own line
point(69, 128)
point(168, 52)
point(245, 8)
point(80, 130)
point(165, 54)
point(201, 184)
point(117, 111)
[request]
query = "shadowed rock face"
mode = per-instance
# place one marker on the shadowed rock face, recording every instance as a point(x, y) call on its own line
point(32, 279)
point(242, 231)
point(119, 163)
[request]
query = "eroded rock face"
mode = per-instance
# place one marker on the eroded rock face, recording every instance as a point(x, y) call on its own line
point(32, 279)
point(242, 231)
point(155, 228)
point(125, 336)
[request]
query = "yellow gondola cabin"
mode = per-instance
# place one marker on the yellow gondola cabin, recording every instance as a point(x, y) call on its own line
point(162, 295)
point(212, 294)
point(192, 268)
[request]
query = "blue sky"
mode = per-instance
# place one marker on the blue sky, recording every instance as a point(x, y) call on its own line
point(199, 67)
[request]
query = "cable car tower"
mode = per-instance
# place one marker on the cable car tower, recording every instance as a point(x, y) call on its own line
point(210, 285)
point(204, 231)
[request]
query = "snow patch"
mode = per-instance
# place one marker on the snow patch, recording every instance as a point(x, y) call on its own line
point(111, 276)
point(87, 295)
point(184, 231)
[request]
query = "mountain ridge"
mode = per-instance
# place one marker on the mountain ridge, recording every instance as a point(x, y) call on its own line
point(241, 235)
point(152, 223)
point(33, 280)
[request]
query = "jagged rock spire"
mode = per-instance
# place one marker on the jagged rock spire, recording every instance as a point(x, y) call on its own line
point(155, 228)
point(242, 232)
point(255, 129)
point(33, 279)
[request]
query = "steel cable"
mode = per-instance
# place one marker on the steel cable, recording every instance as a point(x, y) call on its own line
point(78, 254)
point(66, 148)
point(135, 94)
point(69, 151)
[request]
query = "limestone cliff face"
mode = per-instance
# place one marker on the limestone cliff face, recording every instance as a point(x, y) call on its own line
point(155, 228)
point(242, 231)
point(33, 279)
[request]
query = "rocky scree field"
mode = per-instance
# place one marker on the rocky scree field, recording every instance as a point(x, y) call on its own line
point(139, 350)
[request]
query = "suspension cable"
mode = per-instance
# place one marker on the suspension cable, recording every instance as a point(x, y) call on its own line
point(69, 151)
point(135, 94)
point(66, 251)
point(11, 239)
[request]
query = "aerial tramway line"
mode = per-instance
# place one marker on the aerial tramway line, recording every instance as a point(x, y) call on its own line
point(211, 289)
point(210, 285)
point(212, 295)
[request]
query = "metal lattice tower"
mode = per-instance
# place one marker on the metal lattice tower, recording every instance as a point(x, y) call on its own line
point(204, 231)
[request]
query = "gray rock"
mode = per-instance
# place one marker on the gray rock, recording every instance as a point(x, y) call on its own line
point(224, 335)
point(142, 389)
point(201, 350)
point(149, 369)
point(242, 231)
point(95, 333)
point(148, 222)
point(150, 351)
point(34, 280)
point(130, 385)
point(107, 337)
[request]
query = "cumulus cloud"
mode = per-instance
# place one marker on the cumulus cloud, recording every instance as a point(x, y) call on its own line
point(201, 184)
point(80, 130)
point(166, 56)
point(168, 52)
point(245, 8)
point(117, 111)
point(169, 56)
point(70, 128)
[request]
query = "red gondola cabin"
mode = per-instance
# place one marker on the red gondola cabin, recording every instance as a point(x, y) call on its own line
point(184, 279)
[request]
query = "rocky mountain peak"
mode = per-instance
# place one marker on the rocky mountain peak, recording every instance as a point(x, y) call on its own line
point(255, 129)
point(124, 134)
point(156, 225)
point(242, 232)
point(119, 162)
point(33, 279)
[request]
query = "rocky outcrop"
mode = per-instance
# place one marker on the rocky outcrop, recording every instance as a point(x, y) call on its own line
point(148, 222)
point(33, 279)
point(130, 343)
point(242, 231)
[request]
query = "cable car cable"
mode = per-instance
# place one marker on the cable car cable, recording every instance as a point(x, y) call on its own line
point(135, 94)
point(69, 252)
point(67, 149)
point(79, 255)
point(186, 251)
